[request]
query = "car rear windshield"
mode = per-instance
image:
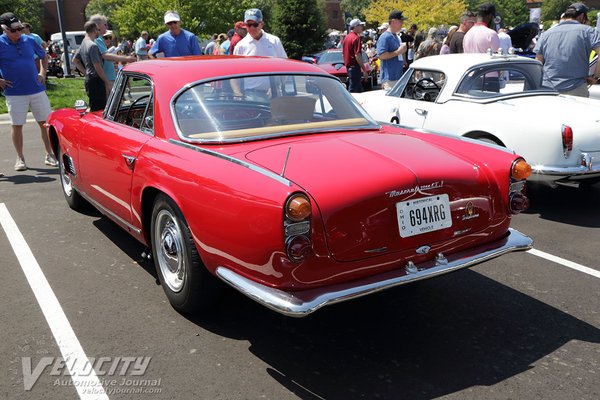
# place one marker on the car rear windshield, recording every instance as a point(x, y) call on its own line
point(255, 107)
point(502, 79)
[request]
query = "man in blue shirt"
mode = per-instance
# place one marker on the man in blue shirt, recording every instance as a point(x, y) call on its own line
point(390, 50)
point(23, 85)
point(176, 42)
point(565, 50)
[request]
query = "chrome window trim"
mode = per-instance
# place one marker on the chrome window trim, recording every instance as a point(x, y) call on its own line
point(234, 160)
point(375, 125)
point(113, 98)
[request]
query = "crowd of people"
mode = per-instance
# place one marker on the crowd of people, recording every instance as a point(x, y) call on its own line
point(563, 50)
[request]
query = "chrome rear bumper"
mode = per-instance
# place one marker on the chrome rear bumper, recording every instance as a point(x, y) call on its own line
point(588, 168)
point(303, 303)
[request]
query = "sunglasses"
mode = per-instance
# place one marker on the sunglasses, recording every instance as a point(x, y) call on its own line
point(252, 24)
point(107, 38)
point(171, 23)
point(15, 30)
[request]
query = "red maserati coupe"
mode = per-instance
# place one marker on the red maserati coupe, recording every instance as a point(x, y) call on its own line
point(266, 174)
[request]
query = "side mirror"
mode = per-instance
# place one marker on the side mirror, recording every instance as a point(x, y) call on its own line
point(81, 107)
point(149, 122)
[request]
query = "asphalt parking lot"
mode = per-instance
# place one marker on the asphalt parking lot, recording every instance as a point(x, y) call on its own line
point(523, 326)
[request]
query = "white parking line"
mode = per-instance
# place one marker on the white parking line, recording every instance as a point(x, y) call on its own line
point(72, 352)
point(566, 263)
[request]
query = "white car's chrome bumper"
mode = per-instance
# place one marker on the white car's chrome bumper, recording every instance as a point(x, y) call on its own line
point(300, 304)
point(588, 168)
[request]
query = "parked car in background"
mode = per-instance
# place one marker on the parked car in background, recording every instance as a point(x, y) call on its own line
point(332, 61)
point(289, 192)
point(498, 99)
point(74, 38)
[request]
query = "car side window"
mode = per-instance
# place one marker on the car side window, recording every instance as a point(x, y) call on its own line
point(134, 105)
point(486, 82)
point(422, 85)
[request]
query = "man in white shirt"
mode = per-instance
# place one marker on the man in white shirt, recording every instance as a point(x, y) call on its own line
point(141, 49)
point(257, 43)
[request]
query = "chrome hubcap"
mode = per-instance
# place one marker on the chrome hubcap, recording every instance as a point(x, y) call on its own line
point(64, 178)
point(170, 250)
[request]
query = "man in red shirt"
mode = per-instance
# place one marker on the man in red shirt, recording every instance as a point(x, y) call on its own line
point(352, 50)
point(240, 32)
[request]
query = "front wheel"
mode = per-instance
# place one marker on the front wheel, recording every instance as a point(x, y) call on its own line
point(74, 199)
point(184, 278)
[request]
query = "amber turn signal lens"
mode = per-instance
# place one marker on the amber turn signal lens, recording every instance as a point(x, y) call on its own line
point(298, 208)
point(520, 170)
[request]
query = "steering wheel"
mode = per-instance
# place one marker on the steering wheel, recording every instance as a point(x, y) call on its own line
point(420, 90)
point(128, 121)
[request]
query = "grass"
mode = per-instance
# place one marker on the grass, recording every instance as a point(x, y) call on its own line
point(62, 93)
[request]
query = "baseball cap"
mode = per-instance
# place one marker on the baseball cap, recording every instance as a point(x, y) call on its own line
point(432, 32)
point(385, 25)
point(171, 16)
point(10, 20)
point(239, 25)
point(579, 8)
point(108, 33)
point(253, 14)
point(397, 15)
point(355, 22)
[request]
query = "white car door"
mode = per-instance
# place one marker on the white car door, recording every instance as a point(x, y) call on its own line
point(417, 99)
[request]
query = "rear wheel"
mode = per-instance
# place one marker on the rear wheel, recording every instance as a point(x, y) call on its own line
point(184, 278)
point(74, 199)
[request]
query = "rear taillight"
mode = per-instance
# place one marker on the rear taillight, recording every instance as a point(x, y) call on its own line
point(296, 227)
point(519, 172)
point(567, 140)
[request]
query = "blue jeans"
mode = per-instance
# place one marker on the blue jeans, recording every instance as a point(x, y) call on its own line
point(354, 79)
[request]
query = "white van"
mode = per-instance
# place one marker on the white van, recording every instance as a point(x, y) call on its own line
point(74, 37)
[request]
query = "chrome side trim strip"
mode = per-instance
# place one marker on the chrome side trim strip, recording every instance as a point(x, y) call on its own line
point(112, 215)
point(300, 304)
point(234, 160)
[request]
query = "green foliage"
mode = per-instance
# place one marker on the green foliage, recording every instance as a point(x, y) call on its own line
point(300, 28)
point(102, 7)
point(513, 12)
point(26, 10)
point(552, 9)
point(355, 8)
point(134, 16)
point(202, 17)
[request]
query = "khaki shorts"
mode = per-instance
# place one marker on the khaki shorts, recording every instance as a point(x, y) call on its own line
point(18, 106)
point(581, 91)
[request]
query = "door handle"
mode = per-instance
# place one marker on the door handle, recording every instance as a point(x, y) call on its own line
point(129, 160)
point(421, 112)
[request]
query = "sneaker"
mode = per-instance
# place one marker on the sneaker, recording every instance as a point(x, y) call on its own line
point(20, 165)
point(50, 160)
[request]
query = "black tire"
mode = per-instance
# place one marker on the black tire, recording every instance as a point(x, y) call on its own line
point(187, 283)
point(74, 199)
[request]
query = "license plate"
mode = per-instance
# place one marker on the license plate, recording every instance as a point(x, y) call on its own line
point(423, 215)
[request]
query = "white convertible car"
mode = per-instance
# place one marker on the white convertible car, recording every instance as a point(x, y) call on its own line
point(498, 99)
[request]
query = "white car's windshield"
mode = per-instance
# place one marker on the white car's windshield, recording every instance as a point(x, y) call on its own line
point(256, 107)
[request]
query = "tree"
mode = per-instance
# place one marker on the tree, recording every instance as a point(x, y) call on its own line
point(513, 12)
point(423, 13)
point(355, 8)
point(103, 7)
point(300, 24)
point(134, 16)
point(552, 9)
point(26, 10)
